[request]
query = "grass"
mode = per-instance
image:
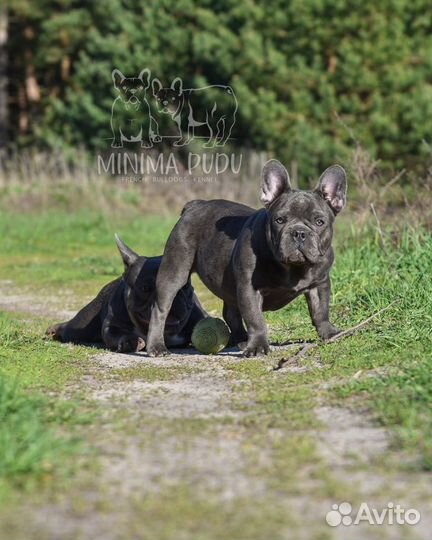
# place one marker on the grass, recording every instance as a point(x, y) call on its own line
point(37, 363)
point(385, 368)
point(37, 439)
point(28, 445)
point(75, 250)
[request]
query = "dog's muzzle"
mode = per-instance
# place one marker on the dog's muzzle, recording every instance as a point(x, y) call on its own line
point(133, 101)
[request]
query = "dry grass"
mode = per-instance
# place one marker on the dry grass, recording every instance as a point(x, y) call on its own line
point(33, 181)
point(395, 200)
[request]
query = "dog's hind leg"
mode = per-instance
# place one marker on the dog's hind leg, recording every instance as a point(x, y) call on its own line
point(173, 274)
point(55, 331)
point(85, 327)
point(122, 340)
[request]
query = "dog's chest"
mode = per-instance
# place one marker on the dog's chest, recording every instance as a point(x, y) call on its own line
point(284, 290)
point(276, 297)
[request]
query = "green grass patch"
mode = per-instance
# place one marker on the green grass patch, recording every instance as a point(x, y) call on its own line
point(32, 452)
point(46, 253)
point(26, 443)
point(37, 362)
point(396, 348)
point(37, 433)
point(76, 250)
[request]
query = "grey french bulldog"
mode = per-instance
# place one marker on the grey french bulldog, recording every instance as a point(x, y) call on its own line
point(255, 260)
point(119, 315)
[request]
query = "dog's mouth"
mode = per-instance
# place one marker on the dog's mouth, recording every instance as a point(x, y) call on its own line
point(300, 253)
point(299, 256)
point(295, 257)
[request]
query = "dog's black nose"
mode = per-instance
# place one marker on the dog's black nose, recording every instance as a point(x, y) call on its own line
point(299, 235)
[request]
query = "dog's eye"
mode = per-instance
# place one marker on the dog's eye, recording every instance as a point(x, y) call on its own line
point(141, 87)
point(319, 222)
point(173, 99)
point(280, 220)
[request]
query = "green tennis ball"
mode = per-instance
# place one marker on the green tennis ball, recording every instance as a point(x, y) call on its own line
point(210, 335)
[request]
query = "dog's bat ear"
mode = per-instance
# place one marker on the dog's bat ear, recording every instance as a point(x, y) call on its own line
point(127, 254)
point(177, 85)
point(275, 181)
point(332, 187)
point(117, 77)
point(145, 76)
point(156, 86)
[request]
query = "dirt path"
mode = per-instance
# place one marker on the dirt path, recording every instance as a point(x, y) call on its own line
point(182, 453)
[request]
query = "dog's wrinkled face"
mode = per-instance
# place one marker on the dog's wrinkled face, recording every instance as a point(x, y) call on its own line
point(141, 281)
point(140, 277)
point(131, 90)
point(168, 100)
point(300, 223)
point(301, 228)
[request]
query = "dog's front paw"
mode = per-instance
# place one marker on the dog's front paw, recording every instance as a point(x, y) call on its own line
point(129, 344)
point(157, 138)
point(116, 144)
point(327, 331)
point(146, 144)
point(256, 346)
point(157, 349)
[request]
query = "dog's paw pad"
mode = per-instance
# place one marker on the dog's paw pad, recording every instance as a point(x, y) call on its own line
point(53, 332)
point(140, 345)
point(256, 347)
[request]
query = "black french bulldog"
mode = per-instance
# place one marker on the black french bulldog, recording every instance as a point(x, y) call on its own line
point(255, 260)
point(119, 315)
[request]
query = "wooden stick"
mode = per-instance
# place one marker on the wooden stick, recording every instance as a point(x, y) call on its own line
point(302, 352)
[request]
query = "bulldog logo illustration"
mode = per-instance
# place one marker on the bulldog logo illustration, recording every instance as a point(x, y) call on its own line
point(213, 106)
point(131, 118)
